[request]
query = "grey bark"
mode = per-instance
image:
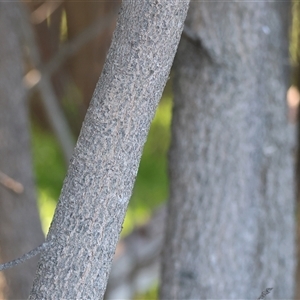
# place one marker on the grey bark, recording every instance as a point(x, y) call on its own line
point(20, 228)
point(230, 229)
point(96, 191)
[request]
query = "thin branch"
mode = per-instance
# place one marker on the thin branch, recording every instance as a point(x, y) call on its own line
point(25, 257)
point(70, 48)
point(11, 184)
point(50, 101)
point(44, 11)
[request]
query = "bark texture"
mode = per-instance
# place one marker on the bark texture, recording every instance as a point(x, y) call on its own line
point(230, 229)
point(20, 228)
point(96, 191)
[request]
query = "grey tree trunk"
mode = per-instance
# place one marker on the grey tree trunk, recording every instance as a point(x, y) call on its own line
point(230, 229)
point(96, 191)
point(20, 228)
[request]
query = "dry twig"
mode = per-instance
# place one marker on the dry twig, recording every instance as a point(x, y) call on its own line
point(11, 184)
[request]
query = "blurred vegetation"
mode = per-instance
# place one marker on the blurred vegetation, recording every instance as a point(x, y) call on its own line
point(151, 294)
point(151, 187)
point(294, 43)
point(49, 170)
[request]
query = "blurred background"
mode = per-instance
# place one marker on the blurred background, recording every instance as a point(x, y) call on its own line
point(64, 46)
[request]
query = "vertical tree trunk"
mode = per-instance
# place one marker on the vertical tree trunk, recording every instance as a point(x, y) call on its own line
point(96, 191)
point(20, 228)
point(230, 230)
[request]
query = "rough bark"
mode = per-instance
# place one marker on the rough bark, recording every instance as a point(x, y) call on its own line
point(20, 228)
point(96, 191)
point(230, 229)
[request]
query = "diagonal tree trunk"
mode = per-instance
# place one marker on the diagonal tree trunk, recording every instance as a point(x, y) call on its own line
point(230, 230)
point(96, 191)
point(20, 228)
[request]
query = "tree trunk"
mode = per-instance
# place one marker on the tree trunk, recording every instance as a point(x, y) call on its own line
point(20, 228)
point(96, 191)
point(230, 229)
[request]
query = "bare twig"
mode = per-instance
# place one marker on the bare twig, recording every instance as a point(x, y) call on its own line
point(11, 184)
point(70, 48)
point(25, 257)
point(43, 11)
point(54, 112)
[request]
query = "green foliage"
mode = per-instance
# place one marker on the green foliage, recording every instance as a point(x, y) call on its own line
point(50, 171)
point(295, 43)
point(63, 27)
point(151, 294)
point(294, 32)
